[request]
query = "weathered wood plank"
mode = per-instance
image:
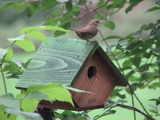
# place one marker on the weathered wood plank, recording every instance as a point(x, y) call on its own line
point(59, 61)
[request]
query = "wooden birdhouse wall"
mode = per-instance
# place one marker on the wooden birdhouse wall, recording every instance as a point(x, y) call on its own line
point(95, 78)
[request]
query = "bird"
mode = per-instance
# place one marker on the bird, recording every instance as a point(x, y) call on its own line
point(89, 31)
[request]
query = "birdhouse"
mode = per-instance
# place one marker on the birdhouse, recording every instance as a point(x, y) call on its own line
point(83, 65)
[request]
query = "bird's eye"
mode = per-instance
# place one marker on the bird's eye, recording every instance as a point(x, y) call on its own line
point(97, 21)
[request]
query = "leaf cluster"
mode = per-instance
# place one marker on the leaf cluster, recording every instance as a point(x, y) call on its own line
point(26, 103)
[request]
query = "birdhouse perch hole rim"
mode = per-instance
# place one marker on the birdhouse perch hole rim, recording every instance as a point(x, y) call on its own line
point(92, 71)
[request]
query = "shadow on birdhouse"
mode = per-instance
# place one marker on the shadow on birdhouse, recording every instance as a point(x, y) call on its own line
point(81, 64)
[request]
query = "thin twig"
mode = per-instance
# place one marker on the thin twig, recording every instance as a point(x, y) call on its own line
point(88, 12)
point(62, 11)
point(130, 108)
point(153, 75)
point(139, 41)
point(4, 82)
point(141, 103)
point(135, 109)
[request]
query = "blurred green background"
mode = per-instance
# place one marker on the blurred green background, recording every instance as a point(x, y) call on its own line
point(12, 22)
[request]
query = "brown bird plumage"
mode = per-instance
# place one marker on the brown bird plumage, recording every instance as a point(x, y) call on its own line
point(88, 31)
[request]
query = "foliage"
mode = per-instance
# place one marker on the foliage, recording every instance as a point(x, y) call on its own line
point(139, 55)
point(28, 101)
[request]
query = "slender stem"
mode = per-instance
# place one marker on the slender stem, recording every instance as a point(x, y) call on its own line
point(1, 67)
point(141, 104)
point(4, 82)
point(131, 108)
point(144, 72)
point(139, 41)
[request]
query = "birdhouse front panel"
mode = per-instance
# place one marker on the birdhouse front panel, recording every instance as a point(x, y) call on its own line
point(95, 78)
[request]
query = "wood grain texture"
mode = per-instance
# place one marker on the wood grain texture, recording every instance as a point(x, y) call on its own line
point(101, 85)
point(59, 61)
point(119, 78)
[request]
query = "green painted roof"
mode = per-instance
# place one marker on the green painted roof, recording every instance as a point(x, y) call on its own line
point(59, 61)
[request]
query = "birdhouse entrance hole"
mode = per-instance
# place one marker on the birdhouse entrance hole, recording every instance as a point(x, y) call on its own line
point(92, 72)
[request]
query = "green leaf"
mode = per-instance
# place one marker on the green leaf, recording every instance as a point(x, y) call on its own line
point(56, 12)
point(30, 116)
point(38, 35)
point(132, 5)
point(154, 85)
point(62, 0)
point(137, 61)
point(37, 28)
point(9, 5)
point(110, 25)
point(77, 90)
point(157, 100)
point(55, 91)
point(20, 8)
point(16, 39)
point(3, 52)
point(26, 44)
point(128, 62)
point(6, 116)
point(156, 50)
point(76, 11)
point(69, 6)
point(119, 3)
point(116, 93)
point(29, 105)
point(26, 63)
point(154, 107)
point(10, 101)
point(12, 67)
point(49, 4)
point(81, 118)
point(152, 9)
point(100, 16)
point(113, 37)
point(108, 112)
point(9, 55)
point(137, 34)
point(38, 96)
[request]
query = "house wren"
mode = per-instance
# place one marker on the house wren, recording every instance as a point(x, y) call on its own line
point(88, 31)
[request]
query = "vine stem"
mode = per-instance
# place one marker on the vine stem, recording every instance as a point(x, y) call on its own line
point(1, 67)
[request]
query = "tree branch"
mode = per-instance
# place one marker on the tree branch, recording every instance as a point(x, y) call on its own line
point(130, 108)
point(135, 109)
